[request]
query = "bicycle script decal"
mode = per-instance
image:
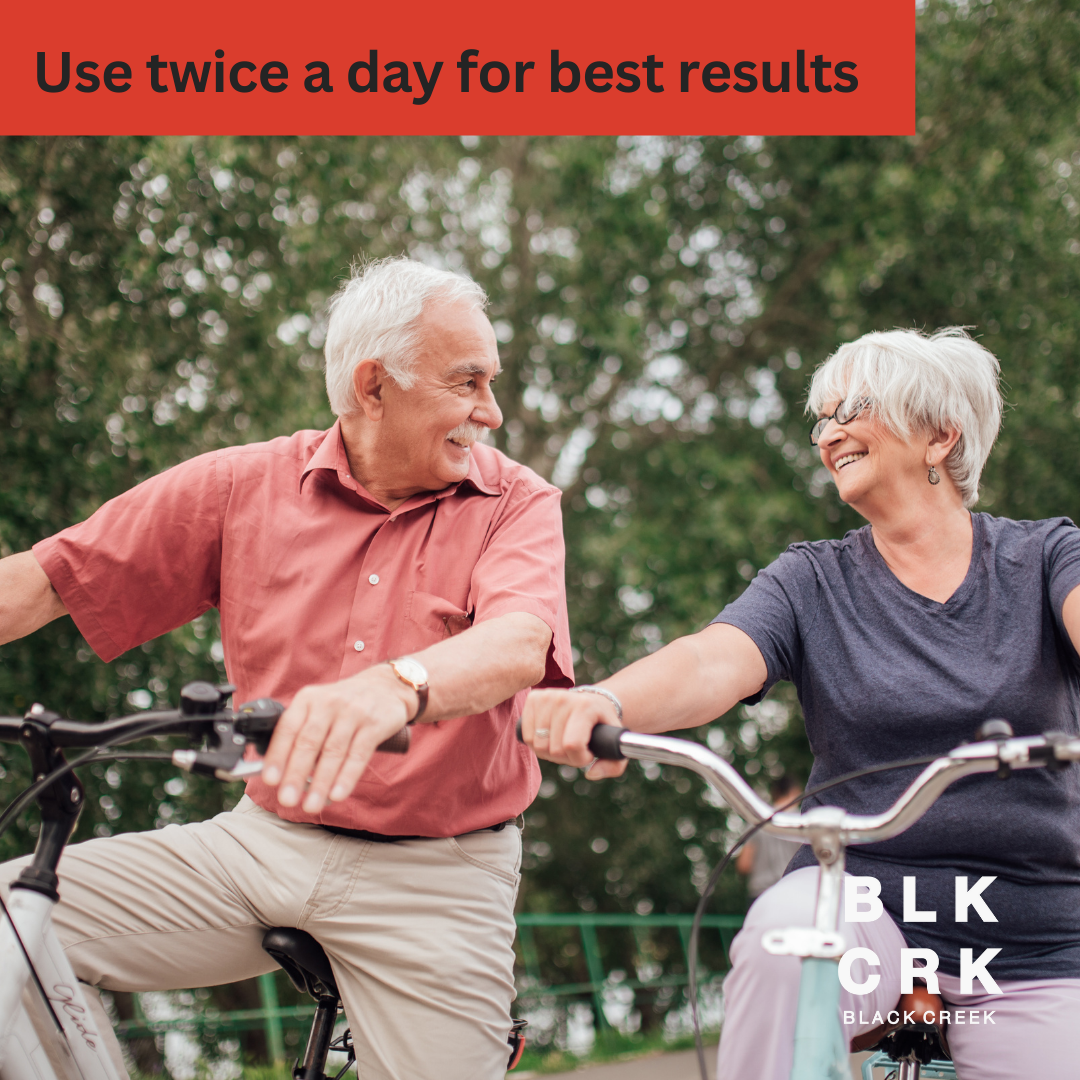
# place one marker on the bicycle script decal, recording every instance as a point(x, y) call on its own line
point(64, 996)
point(566, 68)
point(862, 903)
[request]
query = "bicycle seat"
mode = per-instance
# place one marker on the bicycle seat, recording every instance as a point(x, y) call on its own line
point(923, 1039)
point(303, 959)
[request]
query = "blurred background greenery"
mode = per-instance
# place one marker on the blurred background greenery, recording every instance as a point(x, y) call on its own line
point(660, 303)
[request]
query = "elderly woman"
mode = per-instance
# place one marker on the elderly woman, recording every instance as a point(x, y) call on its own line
point(901, 638)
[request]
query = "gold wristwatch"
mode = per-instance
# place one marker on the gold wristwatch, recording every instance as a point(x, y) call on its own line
point(412, 673)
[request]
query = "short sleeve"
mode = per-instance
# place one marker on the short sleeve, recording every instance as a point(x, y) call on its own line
point(522, 568)
point(145, 562)
point(1061, 565)
point(781, 599)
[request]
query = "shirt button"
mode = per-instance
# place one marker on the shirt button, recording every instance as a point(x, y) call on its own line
point(358, 646)
point(374, 579)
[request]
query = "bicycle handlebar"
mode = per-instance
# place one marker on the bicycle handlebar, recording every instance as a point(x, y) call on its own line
point(1001, 755)
point(76, 735)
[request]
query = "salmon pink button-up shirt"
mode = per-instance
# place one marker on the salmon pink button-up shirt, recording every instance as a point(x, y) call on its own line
point(315, 581)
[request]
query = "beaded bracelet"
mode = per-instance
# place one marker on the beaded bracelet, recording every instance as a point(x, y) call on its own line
point(590, 689)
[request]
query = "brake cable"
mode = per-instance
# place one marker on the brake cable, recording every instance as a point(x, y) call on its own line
point(32, 791)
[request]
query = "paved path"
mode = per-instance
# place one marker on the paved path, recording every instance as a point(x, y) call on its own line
point(678, 1066)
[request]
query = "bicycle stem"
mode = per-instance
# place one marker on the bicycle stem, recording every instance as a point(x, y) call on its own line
point(60, 804)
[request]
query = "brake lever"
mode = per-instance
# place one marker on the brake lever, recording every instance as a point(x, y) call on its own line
point(220, 764)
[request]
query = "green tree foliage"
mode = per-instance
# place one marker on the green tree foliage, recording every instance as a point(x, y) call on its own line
point(659, 303)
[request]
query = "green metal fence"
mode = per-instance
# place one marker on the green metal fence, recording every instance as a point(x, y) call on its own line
point(273, 1018)
point(587, 925)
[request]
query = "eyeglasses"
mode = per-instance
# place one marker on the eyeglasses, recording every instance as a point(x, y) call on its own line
point(845, 413)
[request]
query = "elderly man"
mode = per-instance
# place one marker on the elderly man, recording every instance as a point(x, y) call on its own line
point(392, 569)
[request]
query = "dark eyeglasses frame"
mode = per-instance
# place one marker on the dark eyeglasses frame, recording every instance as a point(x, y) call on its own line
point(844, 414)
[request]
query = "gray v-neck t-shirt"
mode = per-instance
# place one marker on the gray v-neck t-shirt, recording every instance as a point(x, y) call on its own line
point(886, 674)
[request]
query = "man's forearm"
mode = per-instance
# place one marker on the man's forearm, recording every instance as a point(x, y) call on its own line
point(329, 732)
point(484, 665)
point(27, 599)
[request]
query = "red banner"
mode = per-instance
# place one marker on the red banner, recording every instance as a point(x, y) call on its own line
point(569, 68)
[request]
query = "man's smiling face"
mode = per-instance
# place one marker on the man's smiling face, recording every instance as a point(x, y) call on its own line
point(430, 428)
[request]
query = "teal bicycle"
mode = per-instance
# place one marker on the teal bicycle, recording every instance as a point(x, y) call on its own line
point(916, 1051)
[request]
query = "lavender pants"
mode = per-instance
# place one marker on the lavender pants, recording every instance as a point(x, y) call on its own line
point(1034, 1033)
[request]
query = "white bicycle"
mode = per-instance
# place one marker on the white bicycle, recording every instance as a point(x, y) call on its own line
point(47, 1031)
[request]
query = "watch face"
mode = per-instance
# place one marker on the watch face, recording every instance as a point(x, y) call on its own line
point(411, 670)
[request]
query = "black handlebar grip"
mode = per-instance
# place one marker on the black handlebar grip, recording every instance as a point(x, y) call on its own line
point(255, 720)
point(396, 744)
point(604, 742)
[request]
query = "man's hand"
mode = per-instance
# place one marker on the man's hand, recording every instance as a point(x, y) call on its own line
point(558, 724)
point(329, 733)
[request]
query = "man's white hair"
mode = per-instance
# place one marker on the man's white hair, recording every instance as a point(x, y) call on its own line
point(375, 315)
point(921, 382)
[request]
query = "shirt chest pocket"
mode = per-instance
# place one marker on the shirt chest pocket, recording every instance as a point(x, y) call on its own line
point(429, 619)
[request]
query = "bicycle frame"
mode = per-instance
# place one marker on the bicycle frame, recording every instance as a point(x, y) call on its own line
point(820, 1049)
point(64, 1041)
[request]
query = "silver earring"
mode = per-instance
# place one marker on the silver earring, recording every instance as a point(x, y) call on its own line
point(932, 476)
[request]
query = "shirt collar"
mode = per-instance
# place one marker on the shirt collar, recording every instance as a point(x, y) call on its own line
point(473, 477)
point(330, 455)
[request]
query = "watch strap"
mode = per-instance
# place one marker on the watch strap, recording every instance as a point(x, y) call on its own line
point(421, 697)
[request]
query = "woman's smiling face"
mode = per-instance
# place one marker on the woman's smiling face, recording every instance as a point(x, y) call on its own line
point(867, 461)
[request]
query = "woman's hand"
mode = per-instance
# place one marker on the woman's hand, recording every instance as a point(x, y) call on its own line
point(687, 683)
point(557, 725)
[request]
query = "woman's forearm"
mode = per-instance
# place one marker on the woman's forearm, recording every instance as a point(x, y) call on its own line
point(690, 682)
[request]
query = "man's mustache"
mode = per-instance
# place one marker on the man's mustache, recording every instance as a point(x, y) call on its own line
point(467, 432)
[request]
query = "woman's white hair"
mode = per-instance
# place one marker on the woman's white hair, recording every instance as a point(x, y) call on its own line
point(375, 315)
point(921, 382)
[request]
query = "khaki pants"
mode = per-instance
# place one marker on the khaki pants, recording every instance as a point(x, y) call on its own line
point(419, 932)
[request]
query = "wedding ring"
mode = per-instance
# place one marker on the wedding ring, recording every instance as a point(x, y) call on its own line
point(541, 733)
